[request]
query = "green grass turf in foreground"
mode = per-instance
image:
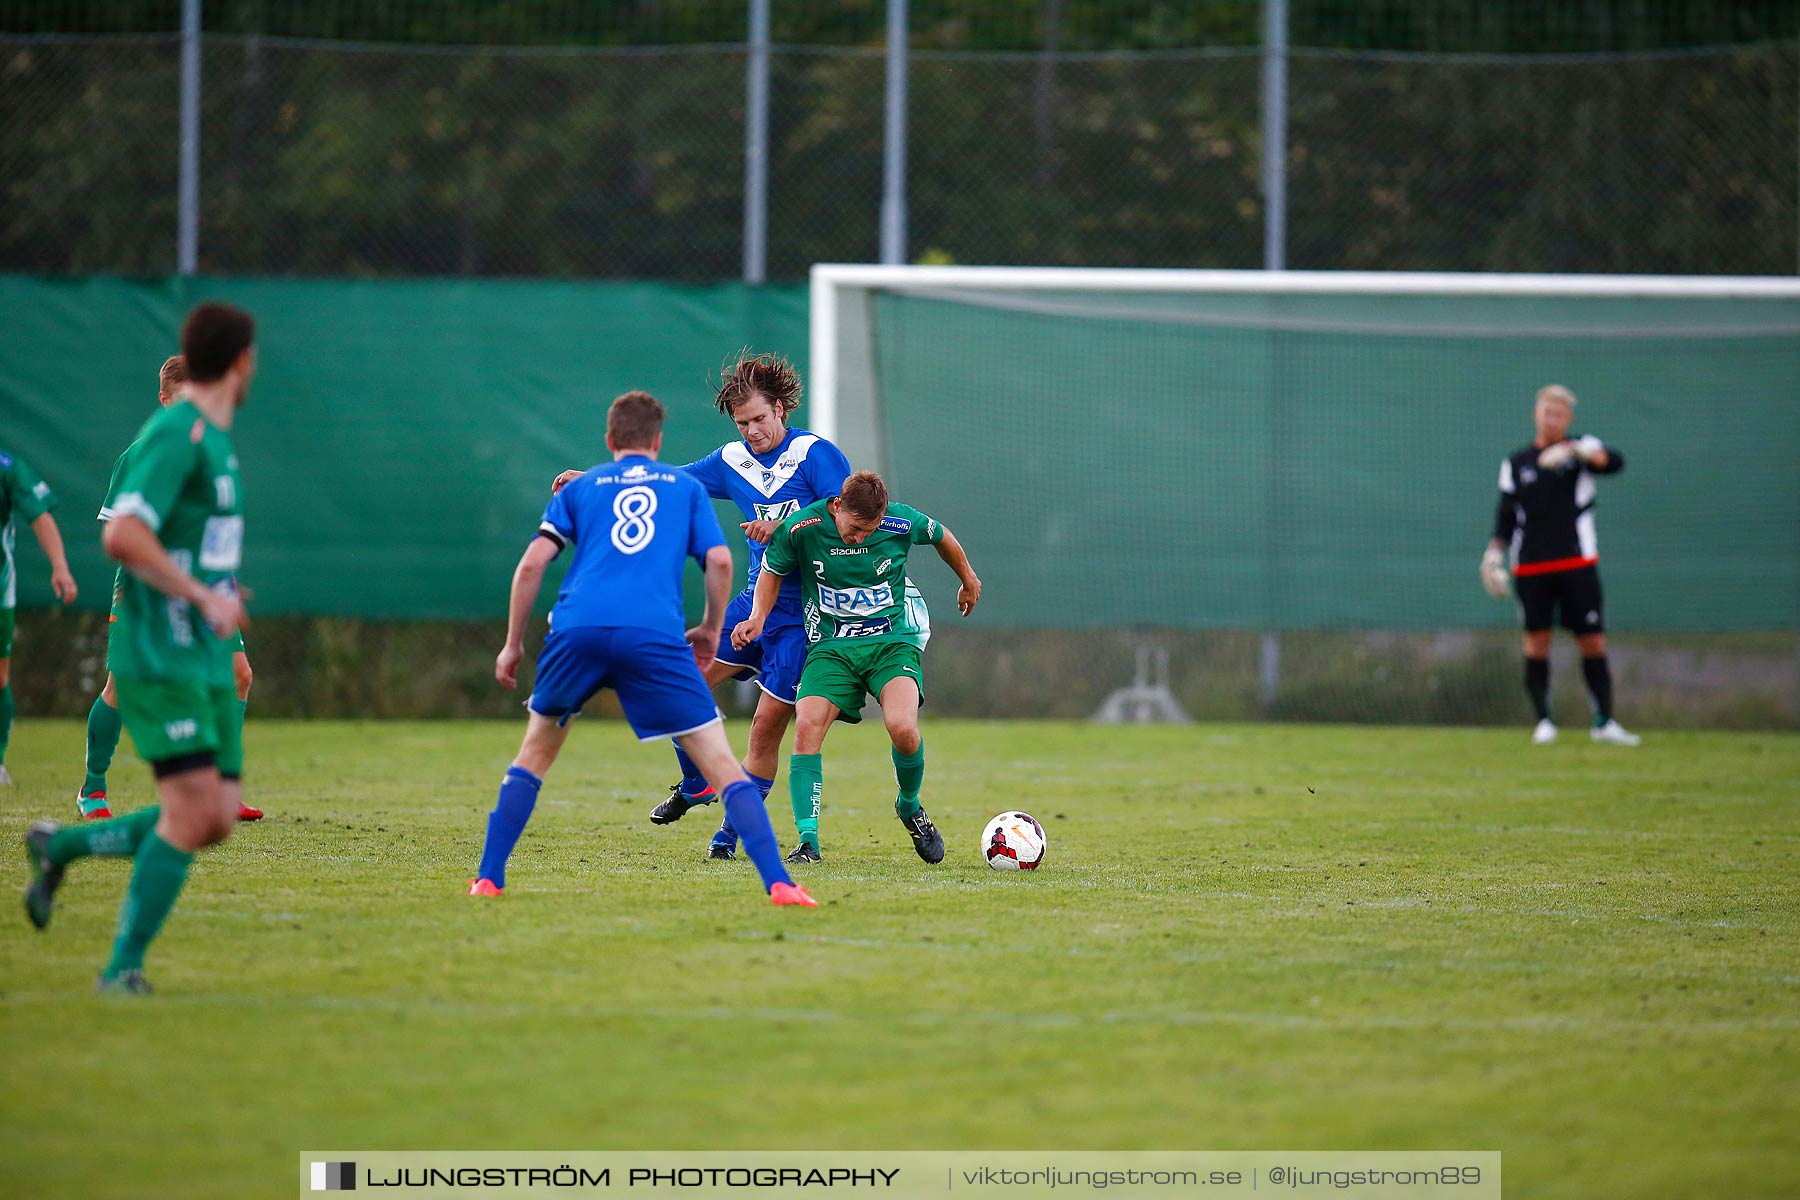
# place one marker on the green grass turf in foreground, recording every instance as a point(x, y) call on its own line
point(1253, 937)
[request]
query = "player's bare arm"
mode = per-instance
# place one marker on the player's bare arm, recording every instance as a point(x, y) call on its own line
point(528, 580)
point(50, 538)
point(129, 542)
point(704, 637)
point(951, 551)
point(768, 590)
point(564, 480)
point(759, 531)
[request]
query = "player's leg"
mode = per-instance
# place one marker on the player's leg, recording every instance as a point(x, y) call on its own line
point(176, 727)
point(783, 652)
point(241, 677)
point(833, 685)
point(897, 678)
point(194, 814)
point(1585, 614)
point(571, 667)
point(813, 716)
point(709, 747)
point(1537, 601)
point(544, 738)
point(6, 695)
point(665, 696)
point(731, 663)
point(104, 725)
point(692, 790)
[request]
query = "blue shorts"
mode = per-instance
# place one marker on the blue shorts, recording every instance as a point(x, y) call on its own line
point(660, 689)
point(774, 660)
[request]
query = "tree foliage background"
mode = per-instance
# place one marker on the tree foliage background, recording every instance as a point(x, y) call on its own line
point(605, 139)
point(548, 137)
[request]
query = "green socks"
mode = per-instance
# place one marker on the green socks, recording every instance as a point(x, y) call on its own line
point(104, 724)
point(156, 880)
point(121, 837)
point(806, 783)
point(6, 716)
point(909, 773)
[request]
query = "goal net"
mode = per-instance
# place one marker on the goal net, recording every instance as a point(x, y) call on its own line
point(1283, 481)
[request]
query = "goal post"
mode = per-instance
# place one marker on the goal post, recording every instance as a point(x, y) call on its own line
point(1175, 457)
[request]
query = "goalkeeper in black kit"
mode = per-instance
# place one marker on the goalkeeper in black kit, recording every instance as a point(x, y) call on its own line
point(1544, 525)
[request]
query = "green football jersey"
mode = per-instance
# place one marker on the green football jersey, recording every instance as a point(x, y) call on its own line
point(854, 591)
point(180, 477)
point(24, 495)
point(106, 514)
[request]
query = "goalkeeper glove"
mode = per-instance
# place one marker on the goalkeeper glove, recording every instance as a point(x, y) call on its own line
point(1494, 576)
point(1555, 458)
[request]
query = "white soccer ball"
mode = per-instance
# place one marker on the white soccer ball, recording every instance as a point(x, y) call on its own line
point(1014, 841)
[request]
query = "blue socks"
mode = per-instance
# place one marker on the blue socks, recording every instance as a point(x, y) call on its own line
point(727, 835)
point(692, 781)
point(745, 813)
point(518, 796)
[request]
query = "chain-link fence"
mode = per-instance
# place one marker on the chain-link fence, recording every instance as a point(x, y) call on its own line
point(336, 158)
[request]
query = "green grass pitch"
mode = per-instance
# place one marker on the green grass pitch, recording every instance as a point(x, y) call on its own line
point(1248, 937)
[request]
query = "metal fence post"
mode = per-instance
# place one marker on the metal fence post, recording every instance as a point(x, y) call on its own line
point(893, 172)
point(756, 146)
point(1274, 131)
point(1274, 182)
point(187, 238)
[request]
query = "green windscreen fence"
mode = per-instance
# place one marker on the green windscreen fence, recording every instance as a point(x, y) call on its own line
point(1301, 462)
point(400, 437)
point(1261, 505)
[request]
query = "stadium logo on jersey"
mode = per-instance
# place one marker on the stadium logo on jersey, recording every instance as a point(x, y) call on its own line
point(896, 524)
point(776, 512)
point(855, 602)
point(840, 550)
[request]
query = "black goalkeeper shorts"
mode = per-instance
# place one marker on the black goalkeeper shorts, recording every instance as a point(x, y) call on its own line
point(1576, 593)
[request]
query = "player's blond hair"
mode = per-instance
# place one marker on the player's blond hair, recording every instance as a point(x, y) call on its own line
point(1558, 393)
point(173, 375)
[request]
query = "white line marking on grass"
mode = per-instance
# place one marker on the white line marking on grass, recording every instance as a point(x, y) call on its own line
point(414, 1006)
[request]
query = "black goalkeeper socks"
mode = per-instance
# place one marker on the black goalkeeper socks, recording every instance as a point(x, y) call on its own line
point(1537, 685)
point(1599, 684)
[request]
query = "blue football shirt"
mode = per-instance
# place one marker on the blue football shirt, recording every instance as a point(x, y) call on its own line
point(633, 524)
point(803, 469)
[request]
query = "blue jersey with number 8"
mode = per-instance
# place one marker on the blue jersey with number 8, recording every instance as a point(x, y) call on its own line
point(632, 524)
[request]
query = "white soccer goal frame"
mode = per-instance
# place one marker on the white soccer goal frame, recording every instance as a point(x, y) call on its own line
point(827, 280)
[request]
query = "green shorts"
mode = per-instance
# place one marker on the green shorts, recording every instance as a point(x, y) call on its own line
point(177, 718)
point(844, 674)
point(6, 632)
